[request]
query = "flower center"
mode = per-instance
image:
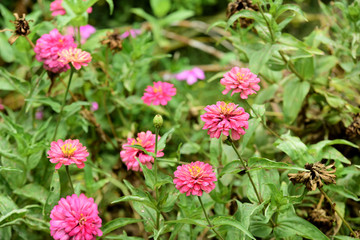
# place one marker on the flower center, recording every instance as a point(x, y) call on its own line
point(82, 220)
point(195, 171)
point(240, 77)
point(68, 150)
point(156, 90)
point(226, 109)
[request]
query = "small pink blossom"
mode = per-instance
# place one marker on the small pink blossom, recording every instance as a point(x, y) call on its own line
point(85, 32)
point(68, 152)
point(39, 114)
point(47, 48)
point(94, 106)
point(75, 218)
point(132, 32)
point(240, 80)
point(158, 94)
point(191, 76)
point(194, 178)
point(129, 154)
point(75, 56)
point(57, 9)
point(222, 117)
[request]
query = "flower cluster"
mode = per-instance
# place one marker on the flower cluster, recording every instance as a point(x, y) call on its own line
point(129, 155)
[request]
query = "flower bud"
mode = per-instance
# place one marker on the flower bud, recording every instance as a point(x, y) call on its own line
point(158, 121)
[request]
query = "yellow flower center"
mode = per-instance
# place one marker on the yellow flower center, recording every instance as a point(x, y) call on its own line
point(195, 171)
point(226, 109)
point(68, 150)
point(240, 77)
point(82, 220)
point(156, 90)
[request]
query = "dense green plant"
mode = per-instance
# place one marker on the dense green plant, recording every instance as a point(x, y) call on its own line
point(305, 113)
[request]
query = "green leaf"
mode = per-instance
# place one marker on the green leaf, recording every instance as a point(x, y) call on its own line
point(231, 167)
point(201, 223)
point(160, 7)
point(111, 6)
point(176, 16)
point(162, 141)
point(53, 196)
point(33, 191)
point(259, 58)
point(190, 148)
point(7, 54)
point(294, 95)
point(12, 217)
point(290, 7)
point(220, 221)
point(305, 67)
point(264, 163)
point(341, 190)
point(20, 85)
point(149, 175)
point(135, 199)
point(6, 204)
point(118, 223)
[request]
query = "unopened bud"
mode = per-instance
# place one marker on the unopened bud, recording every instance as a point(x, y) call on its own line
point(158, 121)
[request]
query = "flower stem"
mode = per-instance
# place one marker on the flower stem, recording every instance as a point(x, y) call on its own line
point(69, 177)
point(261, 120)
point(63, 103)
point(30, 42)
point(208, 220)
point(337, 212)
point(247, 172)
point(155, 174)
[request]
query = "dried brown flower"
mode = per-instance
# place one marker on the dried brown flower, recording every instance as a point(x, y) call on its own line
point(354, 129)
point(320, 219)
point(22, 28)
point(317, 175)
point(357, 234)
point(113, 41)
point(238, 5)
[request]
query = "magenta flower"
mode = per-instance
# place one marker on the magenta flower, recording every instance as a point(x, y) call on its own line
point(47, 48)
point(129, 154)
point(158, 94)
point(57, 9)
point(194, 178)
point(132, 32)
point(75, 56)
point(94, 106)
point(85, 32)
point(39, 114)
point(68, 152)
point(240, 80)
point(191, 76)
point(222, 117)
point(75, 218)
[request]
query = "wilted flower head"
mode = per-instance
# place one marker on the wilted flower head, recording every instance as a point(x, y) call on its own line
point(129, 154)
point(317, 175)
point(194, 178)
point(47, 50)
point(113, 41)
point(75, 56)
point(132, 32)
point(158, 94)
point(222, 117)
point(238, 5)
point(240, 80)
point(75, 217)
point(57, 9)
point(22, 28)
point(85, 32)
point(191, 76)
point(94, 106)
point(68, 152)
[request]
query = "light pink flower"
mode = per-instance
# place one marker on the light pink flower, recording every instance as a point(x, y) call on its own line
point(191, 76)
point(85, 32)
point(68, 152)
point(47, 48)
point(194, 178)
point(240, 80)
point(222, 117)
point(94, 106)
point(76, 218)
point(75, 56)
point(158, 94)
point(132, 32)
point(129, 154)
point(57, 9)
point(39, 114)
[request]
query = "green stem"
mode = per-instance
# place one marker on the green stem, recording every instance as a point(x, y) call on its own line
point(208, 220)
point(79, 36)
point(63, 103)
point(69, 177)
point(337, 212)
point(247, 171)
point(155, 173)
point(261, 120)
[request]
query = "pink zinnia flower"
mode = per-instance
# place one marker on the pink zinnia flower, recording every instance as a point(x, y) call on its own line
point(240, 80)
point(68, 152)
point(132, 32)
point(191, 76)
point(94, 106)
point(158, 94)
point(222, 117)
point(47, 48)
point(129, 154)
point(57, 9)
point(85, 32)
point(194, 178)
point(75, 217)
point(75, 56)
